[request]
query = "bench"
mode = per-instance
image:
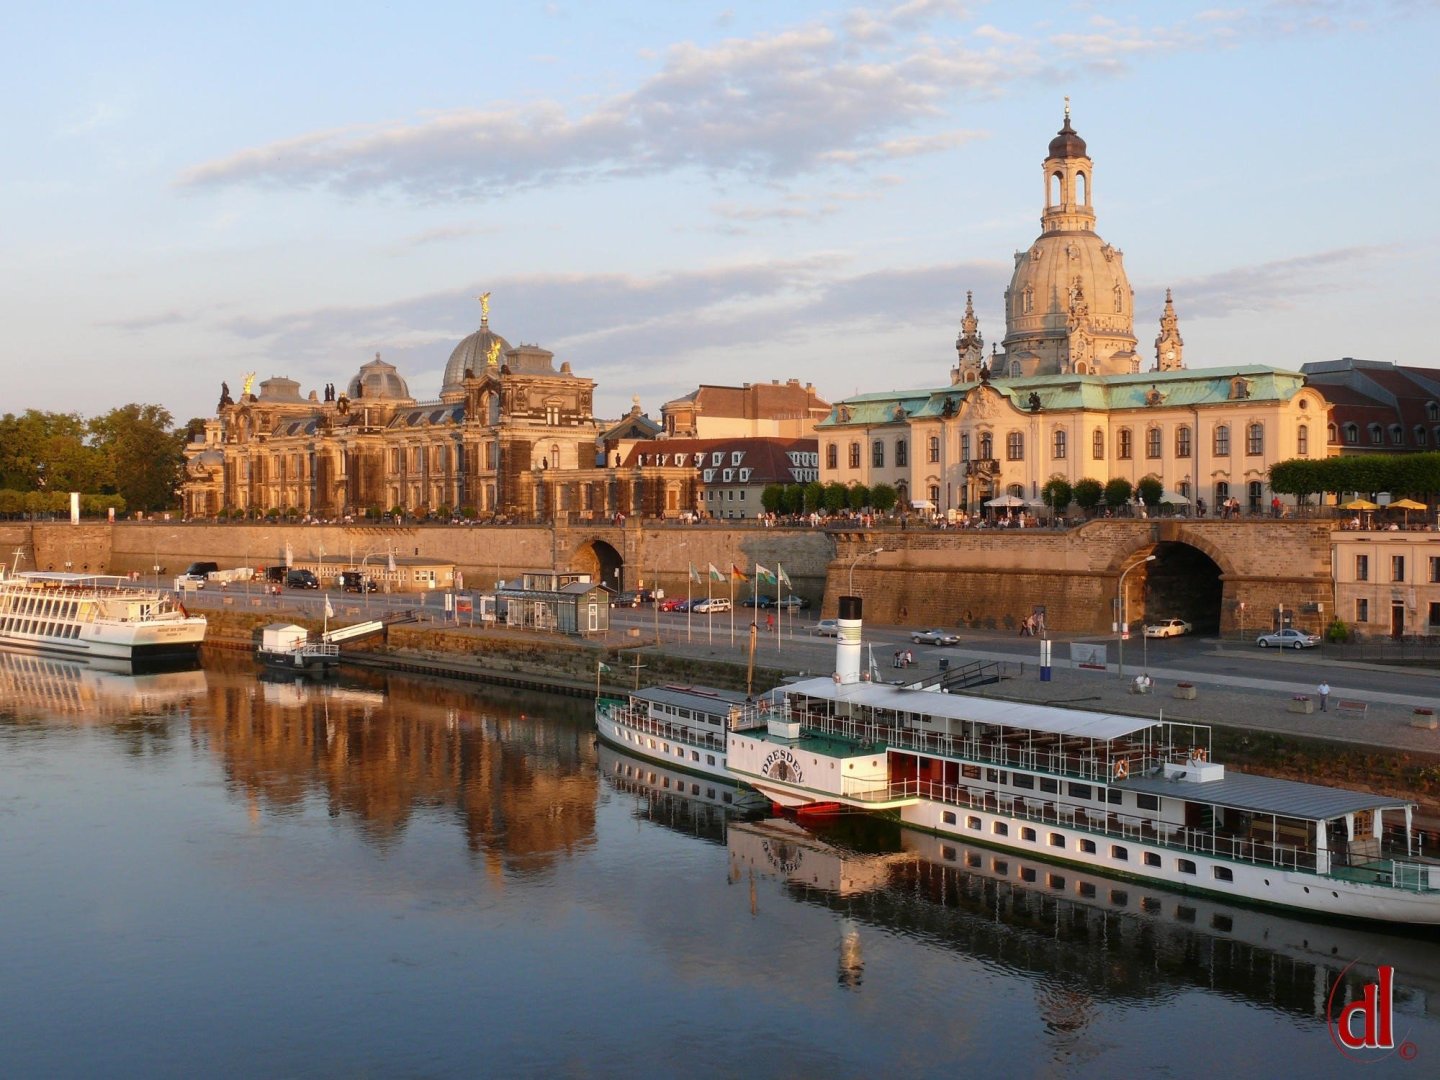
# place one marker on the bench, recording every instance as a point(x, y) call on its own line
point(1345, 705)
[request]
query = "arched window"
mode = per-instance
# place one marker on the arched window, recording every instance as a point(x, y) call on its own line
point(987, 446)
point(1119, 300)
point(1082, 368)
point(1123, 448)
point(1082, 189)
point(901, 453)
point(1302, 440)
point(1222, 440)
point(1184, 488)
point(1015, 446)
point(1097, 445)
point(934, 448)
point(1152, 442)
point(877, 454)
point(1182, 441)
point(1397, 435)
point(935, 494)
point(1222, 492)
point(1376, 435)
point(1432, 410)
point(854, 455)
point(1058, 444)
point(1053, 189)
point(1352, 433)
point(1027, 301)
point(1420, 435)
point(1254, 492)
point(832, 456)
point(1255, 439)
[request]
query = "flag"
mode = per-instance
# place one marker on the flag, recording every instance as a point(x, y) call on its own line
point(329, 611)
point(715, 574)
point(762, 574)
point(694, 574)
point(736, 574)
point(601, 666)
point(780, 573)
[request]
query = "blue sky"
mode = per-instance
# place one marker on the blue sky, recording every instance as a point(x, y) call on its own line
point(665, 194)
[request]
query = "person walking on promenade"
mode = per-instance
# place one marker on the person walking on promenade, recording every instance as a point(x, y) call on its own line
point(1324, 691)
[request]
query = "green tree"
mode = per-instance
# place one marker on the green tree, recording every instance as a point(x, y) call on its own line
point(1057, 494)
point(1150, 490)
point(1117, 492)
point(1088, 494)
point(836, 497)
point(141, 453)
point(858, 496)
point(814, 496)
point(883, 498)
point(772, 498)
point(47, 451)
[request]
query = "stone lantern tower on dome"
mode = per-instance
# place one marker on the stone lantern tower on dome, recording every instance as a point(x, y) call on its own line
point(1069, 308)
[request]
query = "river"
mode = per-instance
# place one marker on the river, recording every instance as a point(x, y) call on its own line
point(209, 873)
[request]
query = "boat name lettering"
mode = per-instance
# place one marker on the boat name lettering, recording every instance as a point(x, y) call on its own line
point(782, 764)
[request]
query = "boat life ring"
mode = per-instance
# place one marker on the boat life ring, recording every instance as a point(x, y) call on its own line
point(1122, 769)
point(1197, 753)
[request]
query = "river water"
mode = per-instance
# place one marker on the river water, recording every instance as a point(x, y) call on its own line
point(208, 873)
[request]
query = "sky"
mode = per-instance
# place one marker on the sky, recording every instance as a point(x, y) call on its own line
point(670, 194)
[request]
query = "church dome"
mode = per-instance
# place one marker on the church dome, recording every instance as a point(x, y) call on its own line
point(380, 381)
point(1065, 269)
point(472, 355)
point(1067, 144)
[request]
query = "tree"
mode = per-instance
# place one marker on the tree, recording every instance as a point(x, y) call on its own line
point(1056, 494)
point(883, 498)
point(814, 495)
point(142, 455)
point(859, 497)
point(47, 451)
point(793, 499)
point(772, 498)
point(836, 497)
point(1117, 492)
point(1088, 494)
point(1150, 490)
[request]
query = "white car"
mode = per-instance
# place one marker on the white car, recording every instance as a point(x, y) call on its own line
point(712, 606)
point(934, 637)
point(1168, 628)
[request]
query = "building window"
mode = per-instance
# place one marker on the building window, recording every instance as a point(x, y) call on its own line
point(1352, 433)
point(1376, 436)
point(1397, 567)
point(1434, 570)
point(1362, 610)
point(1255, 440)
point(1254, 492)
point(1015, 446)
point(934, 448)
point(901, 454)
point(935, 494)
point(1122, 444)
point(1432, 410)
point(1302, 440)
point(1222, 440)
point(1222, 493)
point(1152, 442)
point(1097, 445)
point(832, 456)
point(854, 455)
point(1420, 438)
point(1362, 567)
point(1397, 435)
point(1434, 614)
point(987, 446)
point(965, 446)
point(1057, 445)
point(1182, 441)
point(877, 454)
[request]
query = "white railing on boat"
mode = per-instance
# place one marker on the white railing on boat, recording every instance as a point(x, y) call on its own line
point(640, 720)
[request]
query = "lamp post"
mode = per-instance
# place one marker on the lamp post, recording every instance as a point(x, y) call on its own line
point(1120, 612)
point(864, 555)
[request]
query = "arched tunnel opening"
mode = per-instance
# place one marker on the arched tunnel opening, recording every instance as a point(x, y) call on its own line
point(1183, 583)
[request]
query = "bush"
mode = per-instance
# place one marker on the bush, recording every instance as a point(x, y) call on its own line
point(1057, 494)
point(1088, 494)
point(1338, 631)
point(1150, 490)
point(1117, 492)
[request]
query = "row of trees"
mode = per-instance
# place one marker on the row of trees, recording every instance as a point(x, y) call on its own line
point(827, 498)
point(1089, 494)
point(1401, 474)
point(132, 452)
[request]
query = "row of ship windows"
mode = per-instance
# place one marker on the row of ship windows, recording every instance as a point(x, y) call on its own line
point(1049, 786)
point(45, 606)
point(664, 748)
point(1060, 446)
point(1118, 852)
point(1085, 889)
point(12, 625)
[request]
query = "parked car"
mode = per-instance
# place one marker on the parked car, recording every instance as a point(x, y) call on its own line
point(934, 637)
point(761, 601)
point(711, 606)
point(1288, 638)
point(275, 575)
point(673, 603)
point(199, 573)
point(633, 598)
point(1168, 628)
point(301, 579)
point(793, 602)
point(826, 628)
point(355, 581)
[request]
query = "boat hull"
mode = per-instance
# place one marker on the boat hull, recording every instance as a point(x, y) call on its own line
point(311, 663)
point(672, 753)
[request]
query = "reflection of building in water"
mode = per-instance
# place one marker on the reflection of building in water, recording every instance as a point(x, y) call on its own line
point(1088, 938)
point(94, 690)
point(523, 790)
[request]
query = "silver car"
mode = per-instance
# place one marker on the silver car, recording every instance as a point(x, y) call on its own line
point(826, 628)
point(934, 637)
point(1289, 638)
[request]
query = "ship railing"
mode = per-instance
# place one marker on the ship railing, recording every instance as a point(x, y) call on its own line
point(314, 648)
point(640, 721)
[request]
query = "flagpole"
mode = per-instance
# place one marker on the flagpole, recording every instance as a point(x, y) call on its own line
point(732, 604)
point(689, 581)
point(709, 618)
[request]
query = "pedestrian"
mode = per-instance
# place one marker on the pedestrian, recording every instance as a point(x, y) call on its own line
point(1324, 691)
point(895, 660)
point(909, 658)
point(770, 624)
point(1275, 506)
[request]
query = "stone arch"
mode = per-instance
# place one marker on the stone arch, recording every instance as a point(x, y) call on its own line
point(601, 561)
point(1188, 579)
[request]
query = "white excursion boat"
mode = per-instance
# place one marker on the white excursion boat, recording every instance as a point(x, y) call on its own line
point(94, 615)
point(682, 727)
point(1125, 795)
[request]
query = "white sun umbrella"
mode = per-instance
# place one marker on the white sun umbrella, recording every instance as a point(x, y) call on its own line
point(1171, 497)
point(1006, 501)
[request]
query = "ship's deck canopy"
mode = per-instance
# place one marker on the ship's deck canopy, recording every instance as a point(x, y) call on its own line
point(1265, 795)
point(1017, 716)
point(708, 702)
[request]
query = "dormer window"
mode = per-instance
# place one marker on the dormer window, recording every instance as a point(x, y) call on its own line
point(1432, 410)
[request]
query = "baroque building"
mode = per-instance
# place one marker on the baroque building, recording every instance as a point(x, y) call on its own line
point(510, 437)
point(1065, 397)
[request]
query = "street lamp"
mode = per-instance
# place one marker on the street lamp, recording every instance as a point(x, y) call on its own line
point(1120, 612)
point(855, 560)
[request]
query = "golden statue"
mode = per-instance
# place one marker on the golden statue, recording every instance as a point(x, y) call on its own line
point(245, 390)
point(484, 307)
point(493, 353)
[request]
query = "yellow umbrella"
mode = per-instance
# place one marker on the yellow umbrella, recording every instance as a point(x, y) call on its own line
point(1407, 504)
point(1360, 504)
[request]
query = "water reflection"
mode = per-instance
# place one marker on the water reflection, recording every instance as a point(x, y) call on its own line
point(95, 691)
